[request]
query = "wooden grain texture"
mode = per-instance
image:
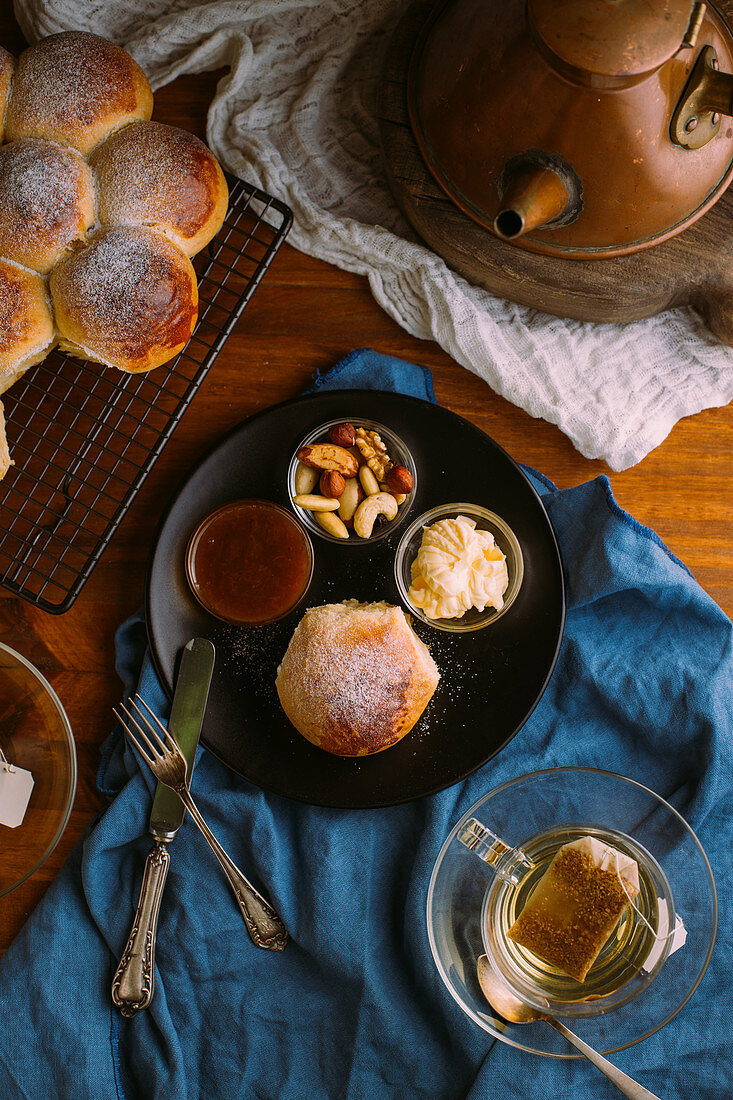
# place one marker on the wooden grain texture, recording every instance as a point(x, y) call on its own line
point(305, 315)
point(695, 268)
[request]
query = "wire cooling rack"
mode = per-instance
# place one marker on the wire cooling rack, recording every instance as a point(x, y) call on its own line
point(85, 437)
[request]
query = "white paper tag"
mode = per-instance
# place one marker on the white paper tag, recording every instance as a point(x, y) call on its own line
point(678, 937)
point(16, 785)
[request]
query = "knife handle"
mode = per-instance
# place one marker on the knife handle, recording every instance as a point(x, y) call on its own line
point(132, 986)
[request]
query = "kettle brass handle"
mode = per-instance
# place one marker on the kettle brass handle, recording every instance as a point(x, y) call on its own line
point(707, 95)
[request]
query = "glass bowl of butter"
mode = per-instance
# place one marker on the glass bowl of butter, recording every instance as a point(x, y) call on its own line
point(459, 567)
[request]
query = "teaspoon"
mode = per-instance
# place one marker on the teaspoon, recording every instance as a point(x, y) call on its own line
point(516, 1012)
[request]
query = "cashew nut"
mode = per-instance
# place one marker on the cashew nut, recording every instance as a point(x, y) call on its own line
point(314, 503)
point(369, 483)
point(330, 522)
point(306, 479)
point(374, 505)
point(399, 497)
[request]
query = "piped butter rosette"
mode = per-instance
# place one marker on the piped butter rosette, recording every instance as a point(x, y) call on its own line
point(457, 567)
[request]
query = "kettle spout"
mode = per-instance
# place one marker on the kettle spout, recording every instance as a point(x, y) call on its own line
point(535, 194)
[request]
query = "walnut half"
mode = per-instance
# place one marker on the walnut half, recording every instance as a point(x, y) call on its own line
point(373, 452)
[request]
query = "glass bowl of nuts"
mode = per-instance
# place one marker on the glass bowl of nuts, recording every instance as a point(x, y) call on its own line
point(352, 481)
point(459, 567)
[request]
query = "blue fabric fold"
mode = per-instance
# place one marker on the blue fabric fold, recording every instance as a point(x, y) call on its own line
point(354, 1009)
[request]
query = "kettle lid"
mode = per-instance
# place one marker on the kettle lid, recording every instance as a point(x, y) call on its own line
point(611, 37)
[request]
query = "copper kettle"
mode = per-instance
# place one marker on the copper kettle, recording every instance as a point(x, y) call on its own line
point(576, 128)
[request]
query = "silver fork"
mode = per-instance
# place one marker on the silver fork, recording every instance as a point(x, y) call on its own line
point(166, 762)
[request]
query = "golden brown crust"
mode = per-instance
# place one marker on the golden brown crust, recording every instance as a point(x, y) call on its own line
point(157, 175)
point(75, 88)
point(46, 202)
point(355, 678)
point(26, 323)
point(8, 380)
point(128, 300)
point(7, 65)
point(5, 460)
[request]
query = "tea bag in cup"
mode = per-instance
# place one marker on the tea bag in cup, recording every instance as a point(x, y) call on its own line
point(577, 904)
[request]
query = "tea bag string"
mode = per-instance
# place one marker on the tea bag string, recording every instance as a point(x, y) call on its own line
point(5, 763)
point(664, 936)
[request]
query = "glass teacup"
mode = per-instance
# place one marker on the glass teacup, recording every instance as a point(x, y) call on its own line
point(493, 860)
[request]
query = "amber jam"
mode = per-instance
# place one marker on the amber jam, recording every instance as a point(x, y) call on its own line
point(249, 562)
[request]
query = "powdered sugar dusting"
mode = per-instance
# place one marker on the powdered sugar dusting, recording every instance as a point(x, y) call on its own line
point(152, 174)
point(130, 290)
point(352, 679)
point(46, 201)
point(69, 84)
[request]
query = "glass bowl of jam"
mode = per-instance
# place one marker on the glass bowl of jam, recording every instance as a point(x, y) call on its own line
point(249, 563)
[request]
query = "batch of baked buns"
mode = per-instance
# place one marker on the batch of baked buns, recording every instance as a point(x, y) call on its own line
point(101, 210)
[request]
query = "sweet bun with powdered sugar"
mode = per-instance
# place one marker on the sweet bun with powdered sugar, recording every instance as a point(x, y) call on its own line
point(355, 677)
point(128, 300)
point(75, 88)
point(107, 206)
point(47, 202)
point(26, 323)
point(164, 177)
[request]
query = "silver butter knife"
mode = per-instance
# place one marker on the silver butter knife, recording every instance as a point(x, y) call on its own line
point(132, 986)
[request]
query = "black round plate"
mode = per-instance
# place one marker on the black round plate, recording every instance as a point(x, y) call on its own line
point(491, 679)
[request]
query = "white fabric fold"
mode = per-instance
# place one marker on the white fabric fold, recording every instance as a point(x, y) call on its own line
point(296, 115)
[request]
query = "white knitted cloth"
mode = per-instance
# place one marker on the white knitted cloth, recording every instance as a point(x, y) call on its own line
point(296, 115)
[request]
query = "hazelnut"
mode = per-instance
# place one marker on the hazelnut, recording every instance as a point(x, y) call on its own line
point(343, 435)
point(332, 484)
point(398, 479)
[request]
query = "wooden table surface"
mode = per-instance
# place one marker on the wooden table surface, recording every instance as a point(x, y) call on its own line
point(305, 316)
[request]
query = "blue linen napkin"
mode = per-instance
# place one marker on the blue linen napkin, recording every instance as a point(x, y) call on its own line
point(354, 1008)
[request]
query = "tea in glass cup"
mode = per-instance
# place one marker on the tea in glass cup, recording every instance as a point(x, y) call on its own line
point(490, 865)
point(619, 971)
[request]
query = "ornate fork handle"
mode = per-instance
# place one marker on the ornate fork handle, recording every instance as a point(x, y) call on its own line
point(132, 986)
point(263, 924)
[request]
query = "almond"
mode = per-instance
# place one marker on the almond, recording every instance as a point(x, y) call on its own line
point(306, 479)
point(330, 522)
point(369, 483)
point(314, 503)
point(350, 499)
point(329, 456)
